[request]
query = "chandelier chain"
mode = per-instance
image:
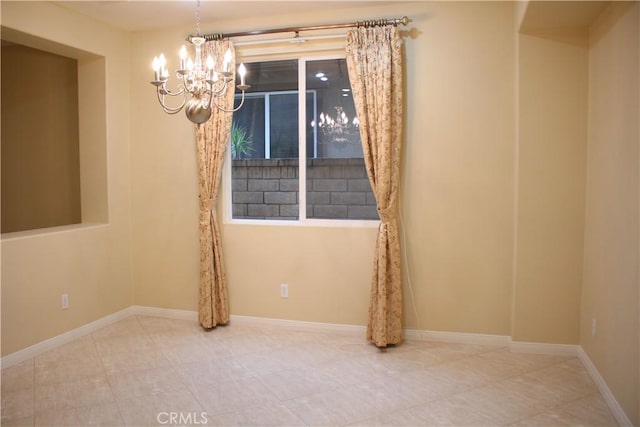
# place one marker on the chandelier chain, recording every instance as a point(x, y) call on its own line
point(198, 19)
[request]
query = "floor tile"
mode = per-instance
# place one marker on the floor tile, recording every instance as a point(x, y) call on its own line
point(491, 404)
point(232, 396)
point(17, 404)
point(106, 415)
point(126, 327)
point(335, 407)
point(149, 371)
point(19, 376)
point(129, 361)
point(140, 344)
point(210, 373)
point(75, 394)
point(18, 422)
point(172, 408)
point(290, 384)
point(396, 419)
point(150, 382)
point(387, 395)
point(451, 411)
point(276, 415)
point(351, 370)
point(81, 348)
point(590, 410)
point(67, 370)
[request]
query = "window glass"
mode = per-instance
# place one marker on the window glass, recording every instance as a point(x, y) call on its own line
point(337, 183)
point(283, 125)
point(265, 174)
point(265, 145)
point(248, 128)
point(334, 125)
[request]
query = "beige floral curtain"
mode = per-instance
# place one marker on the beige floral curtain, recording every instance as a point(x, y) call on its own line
point(212, 141)
point(374, 62)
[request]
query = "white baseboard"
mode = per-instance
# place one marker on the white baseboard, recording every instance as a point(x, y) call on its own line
point(544, 348)
point(250, 320)
point(64, 338)
point(456, 337)
point(613, 404)
point(169, 313)
point(412, 334)
point(301, 325)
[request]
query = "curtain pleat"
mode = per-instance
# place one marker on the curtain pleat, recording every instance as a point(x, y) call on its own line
point(374, 61)
point(212, 139)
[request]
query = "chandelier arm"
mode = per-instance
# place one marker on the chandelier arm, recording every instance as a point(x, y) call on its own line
point(170, 112)
point(211, 102)
point(163, 89)
point(185, 84)
point(166, 108)
point(232, 110)
point(217, 92)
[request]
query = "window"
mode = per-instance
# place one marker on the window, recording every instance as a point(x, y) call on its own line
point(269, 141)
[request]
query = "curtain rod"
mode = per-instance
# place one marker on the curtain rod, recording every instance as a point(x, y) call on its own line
point(370, 23)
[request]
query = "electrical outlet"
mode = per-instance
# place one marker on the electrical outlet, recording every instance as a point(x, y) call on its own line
point(593, 327)
point(65, 301)
point(284, 290)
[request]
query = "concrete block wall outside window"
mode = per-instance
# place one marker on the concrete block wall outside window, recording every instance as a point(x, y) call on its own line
point(268, 189)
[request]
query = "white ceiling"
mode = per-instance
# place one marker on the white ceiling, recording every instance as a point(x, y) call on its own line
point(141, 15)
point(561, 14)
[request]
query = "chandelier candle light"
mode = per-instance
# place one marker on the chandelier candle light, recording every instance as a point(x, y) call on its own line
point(340, 128)
point(202, 83)
point(200, 86)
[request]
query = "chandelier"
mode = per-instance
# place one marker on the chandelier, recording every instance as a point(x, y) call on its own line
point(198, 84)
point(338, 128)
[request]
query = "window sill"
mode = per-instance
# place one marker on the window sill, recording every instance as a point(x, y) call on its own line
point(312, 223)
point(26, 234)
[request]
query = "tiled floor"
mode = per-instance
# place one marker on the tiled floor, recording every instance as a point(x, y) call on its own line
point(146, 371)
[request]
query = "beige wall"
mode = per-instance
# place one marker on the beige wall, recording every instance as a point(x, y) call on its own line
point(552, 112)
point(92, 263)
point(458, 178)
point(492, 213)
point(457, 188)
point(610, 286)
point(473, 265)
point(40, 151)
point(164, 198)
